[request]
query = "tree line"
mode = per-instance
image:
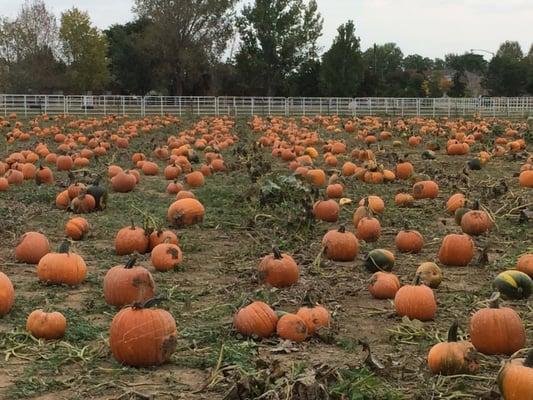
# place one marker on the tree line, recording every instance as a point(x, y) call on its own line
point(204, 47)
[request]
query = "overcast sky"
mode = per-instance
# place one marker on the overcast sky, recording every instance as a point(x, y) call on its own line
point(428, 27)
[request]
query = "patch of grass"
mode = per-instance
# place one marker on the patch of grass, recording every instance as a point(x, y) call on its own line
point(361, 384)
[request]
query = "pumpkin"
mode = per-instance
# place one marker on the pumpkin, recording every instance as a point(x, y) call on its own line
point(368, 229)
point(416, 301)
point(126, 284)
point(315, 318)
point(166, 256)
point(114, 170)
point(525, 264)
point(172, 171)
point(496, 330)
point(63, 200)
point(316, 177)
point(459, 214)
point(7, 294)
point(340, 245)
point(374, 204)
point(292, 327)
point(404, 169)
point(174, 187)
point(409, 241)
point(326, 210)
point(123, 182)
point(44, 175)
point(32, 247)
point(131, 239)
point(456, 250)
point(334, 191)
point(359, 213)
point(425, 190)
point(514, 284)
point(430, 274)
point(383, 285)
point(185, 211)
point(453, 357)
point(457, 200)
point(185, 194)
point(84, 203)
point(404, 200)
point(62, 267)
point(14, 177)
point(64, 163)
point(159, 236)
point(256, 319)
point(140, 336)
point(150, 168)
point(195, 179)
point(4, 184)
point(525, 179)
point(379, 260)
point(278, 270)
point(46, 325)
point(476, 222)
point(515, 379)
point(76, 228)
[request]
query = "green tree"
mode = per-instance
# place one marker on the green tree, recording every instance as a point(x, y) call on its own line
point(381, 62)
point(305, 82)
point(131, 61)
point(507, 71)
point(277, 37)
point(466, 62)
point(529, 67)
point(418, 63)
point(84, 49)
point(187, 36)
point(342, 66)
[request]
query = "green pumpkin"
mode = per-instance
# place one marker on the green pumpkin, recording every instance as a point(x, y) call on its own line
point(474, 164)
point(379, 260)
point(459, 213)
point(428, 155)
point(514, 284)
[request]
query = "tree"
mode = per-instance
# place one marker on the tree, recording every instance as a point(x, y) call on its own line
point(277, 37)
point(29, 45)
point(507, 71)
point(418, 63)
point(305, 82)
point(342, 67)
point(529, 67)
point(84, 49)
point(381, 61)
point(187, 36)
point(466, 62)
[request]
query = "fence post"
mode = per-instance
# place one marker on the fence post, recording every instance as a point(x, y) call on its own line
point(449, 107)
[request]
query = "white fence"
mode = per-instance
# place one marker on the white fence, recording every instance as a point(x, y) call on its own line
point(28, 105)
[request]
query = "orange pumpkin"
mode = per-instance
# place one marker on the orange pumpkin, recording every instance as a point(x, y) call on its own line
point(326, 210)
point(185, 211)
point(32, 247)
point(292, 327)
point(7, 294)
point(525, 264)
point(416, 301)
point(46, 325)
point(384, 285)
point(340, 245)
point(315, 318)
point(256, 319)
point(515, 379)
point(131, 239)
point(62, 267)
point(166, 256)
point(76, 228)
point(457, 250)
point(278, 270)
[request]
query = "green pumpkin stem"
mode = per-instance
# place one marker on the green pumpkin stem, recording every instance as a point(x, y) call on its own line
point(342, 229)
point(494, 301)
point(528, 362)
point(132, 224)
point(417, 280)
point(64, 247)
point(452, 332)
point(277, 253)
point(131, 262)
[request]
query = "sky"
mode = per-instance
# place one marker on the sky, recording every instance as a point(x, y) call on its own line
point(431, 28)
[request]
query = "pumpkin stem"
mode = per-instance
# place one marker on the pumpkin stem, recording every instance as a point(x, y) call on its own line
point(528, 362)
point(452, 332)
point(342, 229)
point(132, 224)
point(277, 253)
point(494, 301)
point(131, 262)
point(148, 303)
point(417, 279)
point(64, 247)
point(475, 205)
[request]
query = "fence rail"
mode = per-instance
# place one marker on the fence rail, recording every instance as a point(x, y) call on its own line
point(31, 105)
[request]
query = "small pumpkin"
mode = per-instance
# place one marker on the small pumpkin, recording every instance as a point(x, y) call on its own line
point(476, 222)
point(368, 229)
point(326, 210)
point(32, 247)
point(44, 325)
point(334, 191)
point(131, 239)
point(457, 200)
point(159, 236)
point(278, 270)
point(430, 274)
point(404, 200)
point(315, 318)
point(186, 211)
point(195, 179)
point(425, 190)
point(166, 256)
point(496, 330)
point(453, 357)
point(126, 284)
point(525, 264)
point(374, 204)
point(84, 203)
point(76, 228)
point(514, 284)
point(62, 267)
point(340, 245)
point(123, 182)
point(141, 336)
point(515, 379)
point(7, 294)
point(384, 285)
point(416, 301)
point(409, 241)
point(292, 327)
point(456, 250)
point(379, 260)
point(257, 319)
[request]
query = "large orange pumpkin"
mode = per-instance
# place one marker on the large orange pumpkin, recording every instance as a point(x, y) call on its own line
point(256, 319)
point(62, 267)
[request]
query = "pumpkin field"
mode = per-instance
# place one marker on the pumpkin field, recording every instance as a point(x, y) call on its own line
point(266, 258)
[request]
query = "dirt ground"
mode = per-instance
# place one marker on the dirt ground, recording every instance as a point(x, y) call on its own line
point(219, 276)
